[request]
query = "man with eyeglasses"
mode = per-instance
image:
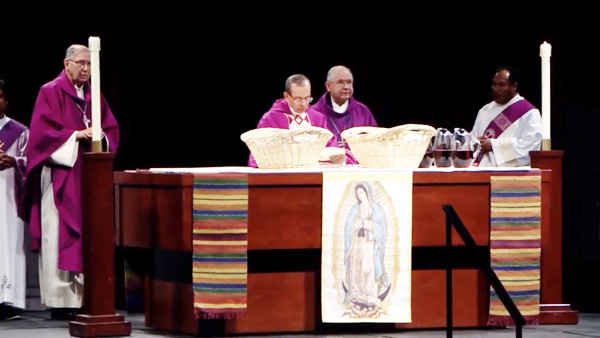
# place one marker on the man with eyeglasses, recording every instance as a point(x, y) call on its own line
point(13, 140)
point(60, 132)
point(294, 111)
point(341, 110)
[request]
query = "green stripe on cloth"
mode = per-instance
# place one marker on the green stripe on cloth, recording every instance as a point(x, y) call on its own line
point(220, 201)
point(519, 275)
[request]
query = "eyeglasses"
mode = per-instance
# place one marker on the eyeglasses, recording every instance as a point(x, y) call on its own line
point(341, 83)
point(82, 63)
point(299, 100)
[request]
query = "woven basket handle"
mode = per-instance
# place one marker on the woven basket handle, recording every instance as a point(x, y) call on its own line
point(293, 133)
point(428, 130)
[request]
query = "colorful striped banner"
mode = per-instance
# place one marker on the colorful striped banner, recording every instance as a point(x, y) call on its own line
point(220, 241)
point(515, 245)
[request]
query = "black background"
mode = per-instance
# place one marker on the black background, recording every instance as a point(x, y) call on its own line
point(185, 82)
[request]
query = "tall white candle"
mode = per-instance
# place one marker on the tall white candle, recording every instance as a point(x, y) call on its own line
point(94, 47)
point(545, 53)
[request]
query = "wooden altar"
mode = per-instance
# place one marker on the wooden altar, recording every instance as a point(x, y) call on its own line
point(153, 214)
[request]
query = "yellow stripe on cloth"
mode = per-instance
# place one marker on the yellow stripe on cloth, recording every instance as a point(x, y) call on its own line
point(222, 208)
point(532, 312)
point(218, 265)
point(533, 232)
point(522, 283)
point(220, 276)
point(514, 251)
point(509, 277)
point(220, 270)
point(515, 237)
point(533, 211)
point(218, 281)
point(514, 178)
point(219, 202)
point(215, 202)
point(514, 204)
point(219, 197)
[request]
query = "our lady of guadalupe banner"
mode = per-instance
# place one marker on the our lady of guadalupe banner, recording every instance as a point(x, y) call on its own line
point(366, 247)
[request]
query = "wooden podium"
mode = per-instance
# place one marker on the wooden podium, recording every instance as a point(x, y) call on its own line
point(153, 216)
point(552, 309)
point(99, 318)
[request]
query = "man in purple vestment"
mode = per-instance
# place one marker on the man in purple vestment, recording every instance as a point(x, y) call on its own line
point(293, 111)
point(13, 140)
point(341, 110)
point(60, 133)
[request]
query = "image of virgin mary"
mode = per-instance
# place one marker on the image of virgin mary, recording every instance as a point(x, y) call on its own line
point(365, 234)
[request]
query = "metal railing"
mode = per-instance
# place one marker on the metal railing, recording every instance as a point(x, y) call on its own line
point(452, 219)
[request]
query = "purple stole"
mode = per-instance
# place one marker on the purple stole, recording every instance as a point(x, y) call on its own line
point(499, 124)
point(10, 133)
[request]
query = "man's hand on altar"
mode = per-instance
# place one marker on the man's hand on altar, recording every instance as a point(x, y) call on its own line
point(338, 158)
point(486, 144)
point(85, 134)
point(334, 155)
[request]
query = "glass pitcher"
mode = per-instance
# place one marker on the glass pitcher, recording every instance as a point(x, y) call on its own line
point(442, 148)
point(465, 148)
point(428, 157)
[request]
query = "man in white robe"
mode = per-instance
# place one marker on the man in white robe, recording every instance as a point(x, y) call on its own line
point(509, 127)
point(13, 141)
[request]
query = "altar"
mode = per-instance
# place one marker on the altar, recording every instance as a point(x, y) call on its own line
point(153, 215)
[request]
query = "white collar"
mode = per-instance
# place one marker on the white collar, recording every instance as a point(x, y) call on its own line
point(513, 100)
point(337, 108)
point(79, 91)
point(4, 121)
point(294, 113)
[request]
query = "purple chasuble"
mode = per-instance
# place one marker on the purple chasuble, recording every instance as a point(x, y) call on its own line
point(278, 117)
point(356, 115)
point(501, 122)
point(57, 114)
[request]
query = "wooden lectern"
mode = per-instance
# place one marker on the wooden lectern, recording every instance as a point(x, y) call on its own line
point(99, 318)
point(552, 310)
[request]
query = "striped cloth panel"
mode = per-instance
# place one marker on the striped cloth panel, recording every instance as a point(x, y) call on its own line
point(515, 245)
point(220, 240)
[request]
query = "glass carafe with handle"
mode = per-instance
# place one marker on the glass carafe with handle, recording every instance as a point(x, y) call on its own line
point(465, 148)
point(428, 157)
point(442, 148)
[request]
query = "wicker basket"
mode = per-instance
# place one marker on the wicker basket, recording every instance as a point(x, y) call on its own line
point(399, 147)
point(275, 148)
